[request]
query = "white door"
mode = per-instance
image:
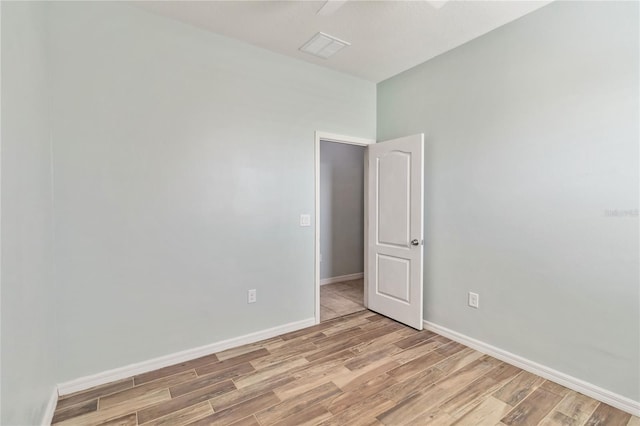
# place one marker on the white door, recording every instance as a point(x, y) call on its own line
point(395, 237)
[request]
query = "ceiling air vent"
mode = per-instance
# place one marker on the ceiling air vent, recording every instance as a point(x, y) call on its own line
point(323, 45)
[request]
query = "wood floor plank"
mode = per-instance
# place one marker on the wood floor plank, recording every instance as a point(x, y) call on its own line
point(293, 343)
point(307, 331)
point(370, 356)
point(415, 339)
point(385, 322)
point(556, 418)
point(367, 408)
point(554, 387)
point(424, 400)
point(356, 378)
point(241, 395)
point(339, 337)
point(376, 344)
point(241, 350)
point(469, 397)
point(299, 404)
point(310, 379)
point(373, 316)
point(368, 421)
point(351, 318)
point(504, 373)
point(451, 384)
point(442, 339)
point(310, 417)
point(93, 393)
point(298, 350)
point(173, 369)
point(271, 372)
point(449, 349)
point(354, 395)
point(533, 408)
point(608, 415)
point(75, 410)
point(115, 412)
point(459, 360)
point(136, 392)
point(406, 410)
point(416, 351)
point(435, 417)
point(127, 420)
point(210, 379)
point(415, 366)
point(184, 401)
point(183, 416)
point(291, 390)
point(488, 412)
point(239, 411)
point(339, 325)
point(419, 382)
point(230, 362)
point(247, 421)
point(518, 388)
point(577, 406)
point(338, 356)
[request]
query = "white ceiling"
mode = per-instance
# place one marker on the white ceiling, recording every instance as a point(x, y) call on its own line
point(387, 37)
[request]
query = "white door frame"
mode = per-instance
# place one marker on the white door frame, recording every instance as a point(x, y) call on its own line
point(350, 140)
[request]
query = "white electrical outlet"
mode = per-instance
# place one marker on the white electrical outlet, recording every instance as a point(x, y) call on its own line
point(474, 300)
point(305, 220)
point(251, 296)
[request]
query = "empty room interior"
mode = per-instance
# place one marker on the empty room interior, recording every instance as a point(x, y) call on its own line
point(332, 212)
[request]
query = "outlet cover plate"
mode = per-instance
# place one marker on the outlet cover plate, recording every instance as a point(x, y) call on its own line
point(474, 300)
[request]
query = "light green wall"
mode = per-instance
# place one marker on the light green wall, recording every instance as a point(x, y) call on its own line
point(182, 162)
point(27, 311)
point(531, 138)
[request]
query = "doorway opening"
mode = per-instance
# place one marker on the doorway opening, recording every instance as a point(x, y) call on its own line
point(340, 225)
point(341, 229)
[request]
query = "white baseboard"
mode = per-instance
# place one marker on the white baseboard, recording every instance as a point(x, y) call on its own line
point(595, 392)
point(341, 278)
point(98, 379)
point(47, 418)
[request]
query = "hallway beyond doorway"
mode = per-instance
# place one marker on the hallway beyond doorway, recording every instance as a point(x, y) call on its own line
point(341, 299)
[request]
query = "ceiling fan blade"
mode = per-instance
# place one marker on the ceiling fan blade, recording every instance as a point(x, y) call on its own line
point(330, 6)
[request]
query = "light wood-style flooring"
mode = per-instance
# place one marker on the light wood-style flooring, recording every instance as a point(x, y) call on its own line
point(362, 369)
point(340, 299)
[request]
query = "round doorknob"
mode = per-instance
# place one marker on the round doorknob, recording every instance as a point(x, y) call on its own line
point(415, 242)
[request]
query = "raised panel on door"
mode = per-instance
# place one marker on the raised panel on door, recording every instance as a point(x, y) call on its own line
point(393, 278)
point(393, 204)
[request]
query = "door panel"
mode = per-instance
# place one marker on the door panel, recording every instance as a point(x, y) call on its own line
point(395, 210)
point(393, 170)
point(393, 277)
